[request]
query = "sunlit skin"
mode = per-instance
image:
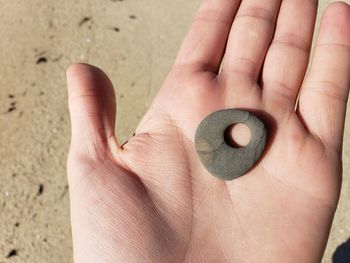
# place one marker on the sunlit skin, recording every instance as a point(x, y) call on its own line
point(151, 200)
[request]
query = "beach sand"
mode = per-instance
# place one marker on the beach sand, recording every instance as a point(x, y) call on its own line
point(135, 42)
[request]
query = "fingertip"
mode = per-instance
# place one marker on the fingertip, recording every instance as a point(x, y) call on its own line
point(337, 15)
point(81, 66)
point(89, 89)
point(83, 70)
point(75, 72)
point(83, 77)
point(76, 69)
point(338, 4)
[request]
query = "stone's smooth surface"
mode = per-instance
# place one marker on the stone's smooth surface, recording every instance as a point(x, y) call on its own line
point(222, 160)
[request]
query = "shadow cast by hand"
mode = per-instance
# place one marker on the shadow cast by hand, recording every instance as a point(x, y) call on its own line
point(342, 253)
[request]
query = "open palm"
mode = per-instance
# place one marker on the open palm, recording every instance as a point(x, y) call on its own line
point(151, 200)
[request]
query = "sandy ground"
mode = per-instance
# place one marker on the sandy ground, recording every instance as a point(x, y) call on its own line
point(135, 42)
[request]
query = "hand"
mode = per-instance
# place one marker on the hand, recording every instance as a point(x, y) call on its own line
point(151, 200)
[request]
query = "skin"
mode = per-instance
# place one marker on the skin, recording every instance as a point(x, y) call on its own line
point(151, 200)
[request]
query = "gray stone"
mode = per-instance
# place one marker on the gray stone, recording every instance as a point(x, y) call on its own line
point(221, 159)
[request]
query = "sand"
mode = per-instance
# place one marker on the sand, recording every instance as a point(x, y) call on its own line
point(135, 42)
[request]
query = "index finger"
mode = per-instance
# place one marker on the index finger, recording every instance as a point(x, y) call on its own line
point(324, 94)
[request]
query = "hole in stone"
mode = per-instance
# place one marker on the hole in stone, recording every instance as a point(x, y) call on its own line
point(237, 135)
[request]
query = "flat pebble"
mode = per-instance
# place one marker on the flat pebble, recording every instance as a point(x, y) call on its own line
point(217, 155)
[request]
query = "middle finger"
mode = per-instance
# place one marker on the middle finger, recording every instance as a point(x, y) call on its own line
point(250, 37)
